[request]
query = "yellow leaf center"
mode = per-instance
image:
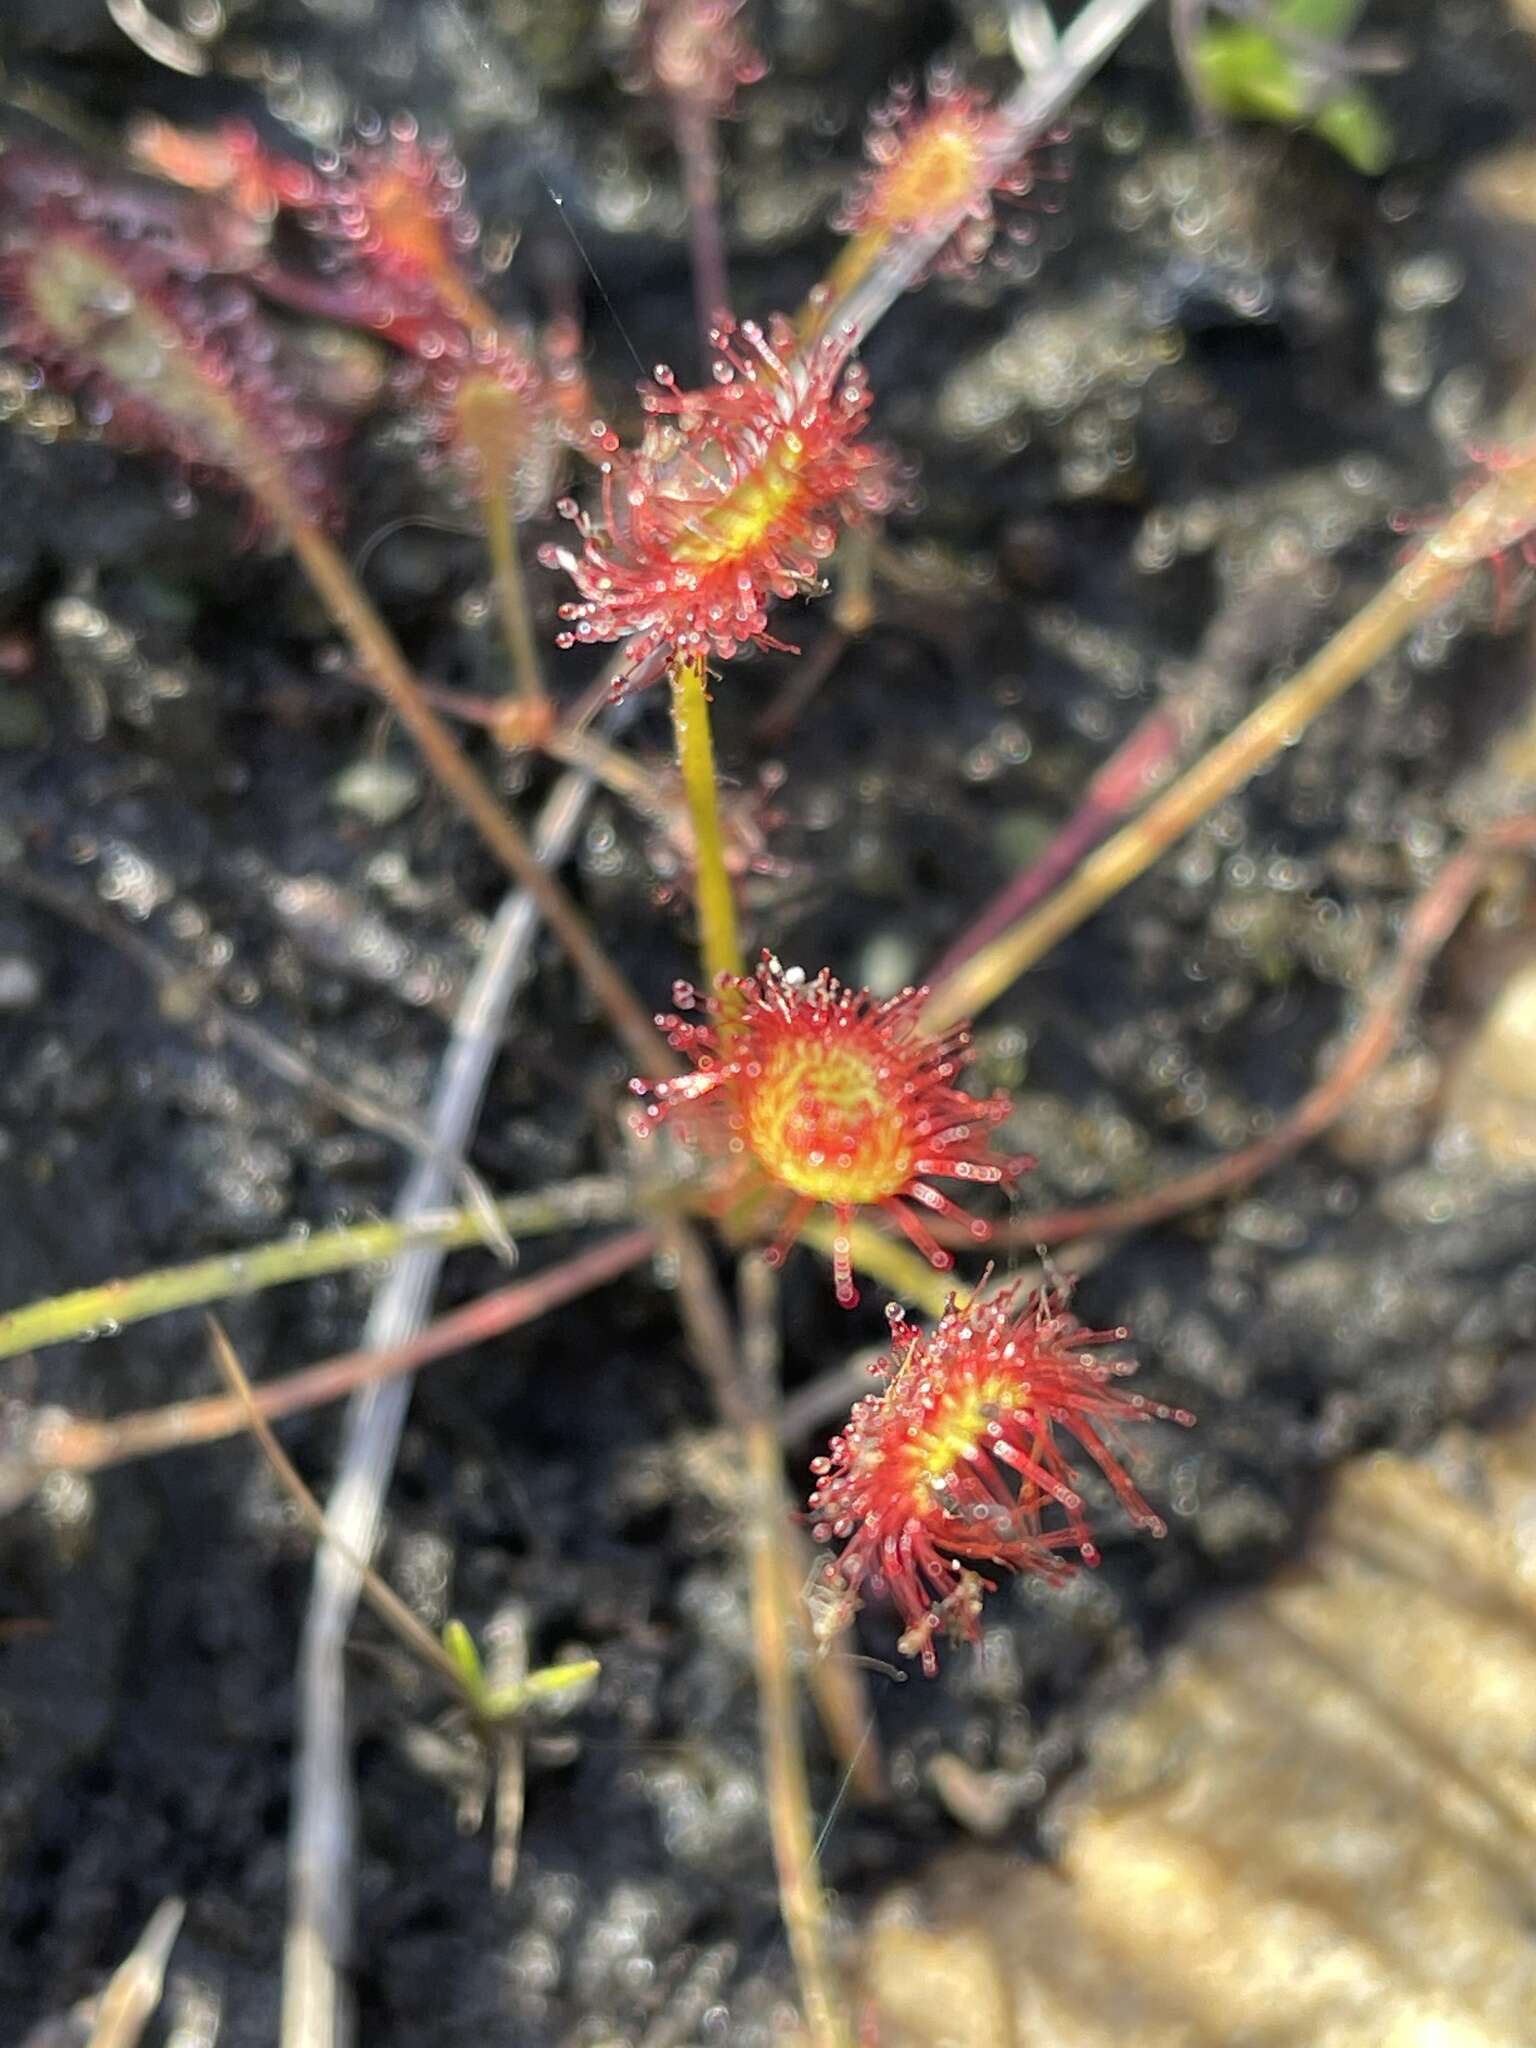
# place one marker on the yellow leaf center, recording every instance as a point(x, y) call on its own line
point(820, 1119)
point(739, 523)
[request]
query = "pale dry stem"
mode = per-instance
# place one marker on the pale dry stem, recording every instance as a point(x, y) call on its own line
point(802, 1899)
point(388, 670)
point(132, 1996)
point(381, 1596)
point(746, 1398)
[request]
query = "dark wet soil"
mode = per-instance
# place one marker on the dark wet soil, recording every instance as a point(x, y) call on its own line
point(1238, 358)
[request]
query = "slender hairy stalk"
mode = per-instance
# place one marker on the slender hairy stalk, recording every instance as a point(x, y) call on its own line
point(512, 603)
point(802, 1899)
point(90, 1310)
point(68, 1443)
point(1432, 923)
point(391, 675)
point(1494, 518)
point(697, 137)
point(719, 945)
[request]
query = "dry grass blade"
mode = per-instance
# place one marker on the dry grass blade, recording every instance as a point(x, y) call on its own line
point(133, 1995)
point(1496, 517)
point(384, 1601)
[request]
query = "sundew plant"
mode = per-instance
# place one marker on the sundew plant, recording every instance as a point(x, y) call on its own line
point(701, 585)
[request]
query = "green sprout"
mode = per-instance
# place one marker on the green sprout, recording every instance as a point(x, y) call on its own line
point(1289, 69)
point(489, 1705)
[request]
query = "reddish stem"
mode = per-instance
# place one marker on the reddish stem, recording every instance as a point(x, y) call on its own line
point(1111, 796)
point(698, 147)
point(80, 1445)
point(1434, 919)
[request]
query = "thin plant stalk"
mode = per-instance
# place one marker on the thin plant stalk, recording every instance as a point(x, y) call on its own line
point(493, 421)
point(853, 598)
point(1493, 519)
point(90, 1312)
point(107, 1308)
point(512, 603)
point(460, 1676)
point(1112, 794)
point(802, 1898)
point(853, 613)
point(70, 1443)
point(746, 1396)
point(388, 670)
point(575, 746)
point(800, 686)
point(1161, 742)
point(719, 943)
point(619, 773)
point(835, 1684)
point(697, 137)
point(381, 1597)
point(507, 1668)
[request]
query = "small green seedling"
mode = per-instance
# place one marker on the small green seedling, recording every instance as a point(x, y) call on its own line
point(454, 1660)
point(489, 1704)
point(1267, 72)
